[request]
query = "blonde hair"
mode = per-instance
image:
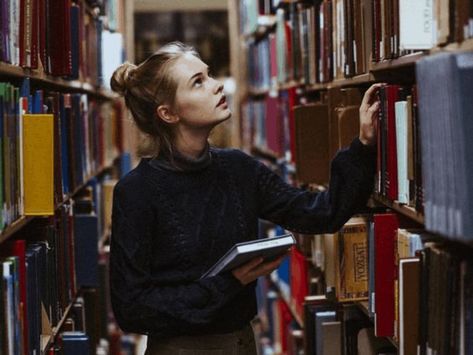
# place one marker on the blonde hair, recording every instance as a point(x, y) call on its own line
point(147, 86)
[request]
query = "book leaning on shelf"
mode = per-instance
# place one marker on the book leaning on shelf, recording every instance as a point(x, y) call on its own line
point(240, 253)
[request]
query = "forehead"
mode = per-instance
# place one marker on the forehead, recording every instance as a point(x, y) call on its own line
point(186, 66)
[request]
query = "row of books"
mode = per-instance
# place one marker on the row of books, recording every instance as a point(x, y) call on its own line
point(395, 269)
point(399, 162)
point(62, 38)
point(309, 135)
point(280, 333)
point(51, 144)
point(47, 264)
point(445, 129)
point(334, 39)
point(412, 127)
point(399, 283)
point(340, 328)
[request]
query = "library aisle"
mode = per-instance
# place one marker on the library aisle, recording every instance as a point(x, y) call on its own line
point(397, 278)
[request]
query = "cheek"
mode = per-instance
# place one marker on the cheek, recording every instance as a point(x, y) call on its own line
point(193, 107)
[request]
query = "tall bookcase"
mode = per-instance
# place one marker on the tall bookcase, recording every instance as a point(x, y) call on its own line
point(65, 140)
point(302, 68)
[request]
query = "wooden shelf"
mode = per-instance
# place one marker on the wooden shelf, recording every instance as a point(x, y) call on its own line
point(317, 87)
point(57, 82)
point(47, 339)
point(23, 220)
point(403, 209)
point(15, 227)
point(338, 83)
point(356, 80)
point(289, 85)
point(401, 62)
point(466, 45)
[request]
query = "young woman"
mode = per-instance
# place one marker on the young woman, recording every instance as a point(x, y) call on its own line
point(179, 211)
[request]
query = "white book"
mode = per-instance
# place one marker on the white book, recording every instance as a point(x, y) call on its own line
point(416, 25)
point(241, 253)
point(401, 145)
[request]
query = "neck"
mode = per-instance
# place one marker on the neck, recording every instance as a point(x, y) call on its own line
point(191, 143)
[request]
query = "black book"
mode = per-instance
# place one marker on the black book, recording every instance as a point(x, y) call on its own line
point(240, 253)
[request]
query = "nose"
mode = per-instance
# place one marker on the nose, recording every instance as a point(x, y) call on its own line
point(218, 86)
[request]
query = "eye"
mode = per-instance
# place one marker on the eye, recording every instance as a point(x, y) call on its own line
point(198, 82)
point(210, 74)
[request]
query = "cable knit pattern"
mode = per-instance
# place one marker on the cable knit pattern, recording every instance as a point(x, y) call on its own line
point(169, 226)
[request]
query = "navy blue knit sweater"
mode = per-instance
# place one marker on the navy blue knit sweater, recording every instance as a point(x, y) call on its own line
point(170, 226)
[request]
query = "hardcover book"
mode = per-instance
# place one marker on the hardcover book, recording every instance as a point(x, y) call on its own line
point(240, 253)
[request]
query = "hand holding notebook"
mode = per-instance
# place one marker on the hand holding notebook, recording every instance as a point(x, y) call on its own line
point(256, 256)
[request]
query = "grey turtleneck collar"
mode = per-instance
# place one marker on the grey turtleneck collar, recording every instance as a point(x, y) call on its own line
point(181, 162)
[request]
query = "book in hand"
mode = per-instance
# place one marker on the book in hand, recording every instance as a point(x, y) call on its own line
point(241, 253)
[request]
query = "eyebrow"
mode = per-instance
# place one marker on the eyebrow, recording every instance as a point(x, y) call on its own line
point(197, 74)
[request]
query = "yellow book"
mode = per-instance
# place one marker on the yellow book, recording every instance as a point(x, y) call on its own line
point(107, 189)
point(38, 164)
point(353, 261)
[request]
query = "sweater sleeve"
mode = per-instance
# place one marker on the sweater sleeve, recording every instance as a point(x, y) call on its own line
point(351, 183)
point(140, 304)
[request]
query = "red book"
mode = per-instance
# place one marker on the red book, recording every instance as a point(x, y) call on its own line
point(376, 55)
point(299, 282)
point(273, 126)
point(18, 248)
point(289, 56)
point(23, 31)
point(42, 20)
point(35, 34)
point(285, 319)
point(59, 41)
point(29, 33)
point(385, 230)
point(273, 53)
point(392, 95)
point(292, 123)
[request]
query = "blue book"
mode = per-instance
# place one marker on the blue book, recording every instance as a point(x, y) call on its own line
point(33, 297)
point(75, 343)
point(64, 119)
point(320, 319)
point(25, 88)
point(78, 147)
point(38, 100)
point(86, 250)
point(75, 40)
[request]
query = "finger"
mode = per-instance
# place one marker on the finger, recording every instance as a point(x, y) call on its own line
point(250, 265)
point(273, 264)
point(375, 107)
point(367, 98)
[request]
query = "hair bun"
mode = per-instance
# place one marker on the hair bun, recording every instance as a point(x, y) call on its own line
point(120, 80)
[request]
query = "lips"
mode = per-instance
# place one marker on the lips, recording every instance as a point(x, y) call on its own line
point(222, 101)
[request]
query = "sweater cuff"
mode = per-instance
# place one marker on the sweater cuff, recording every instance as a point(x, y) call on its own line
point(365, 152)
point(228, 284)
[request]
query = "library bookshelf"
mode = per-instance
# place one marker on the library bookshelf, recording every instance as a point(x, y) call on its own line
point(327, 53)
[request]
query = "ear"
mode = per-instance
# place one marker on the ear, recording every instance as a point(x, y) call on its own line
point(165, 113)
